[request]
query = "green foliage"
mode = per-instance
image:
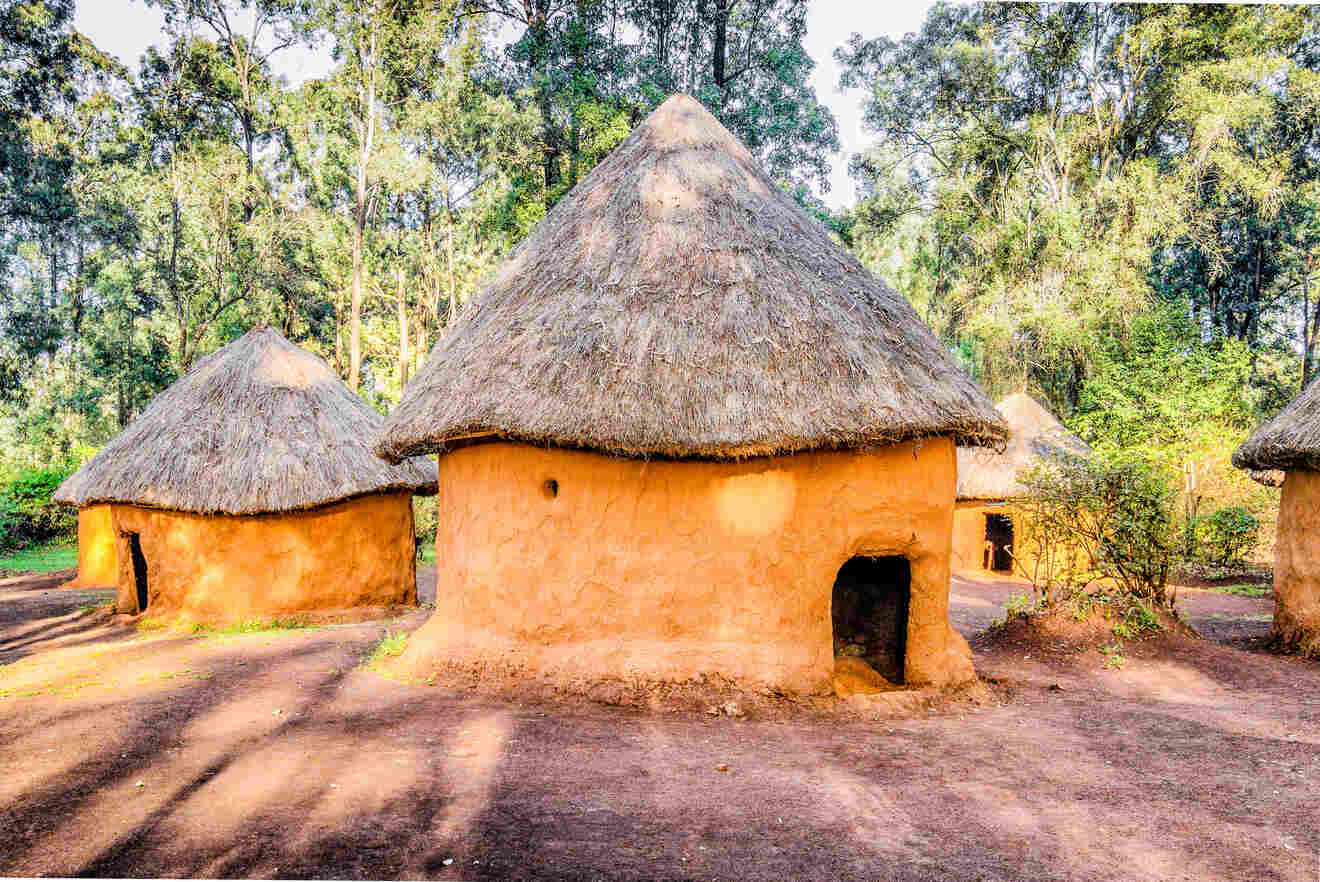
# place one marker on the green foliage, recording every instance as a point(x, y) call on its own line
point(1017, 605)
point(28, 517)
point(424, 524)
point(1048, 173)
point(1102, 518)
point(1226, 537)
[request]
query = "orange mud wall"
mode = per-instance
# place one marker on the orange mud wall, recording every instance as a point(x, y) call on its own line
point(358, 553)
point(1297, 563)
point(969, 537)
point(97, 566)
point(579, 566)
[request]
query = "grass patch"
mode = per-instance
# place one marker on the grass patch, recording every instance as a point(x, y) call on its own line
point(249, 626)
point(428, 553)
point(43, 559)
point(254, 626)
point(1244, 590)
point(391, 645)
point(95, 605)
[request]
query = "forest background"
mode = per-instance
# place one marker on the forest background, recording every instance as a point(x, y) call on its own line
point(1113, 207)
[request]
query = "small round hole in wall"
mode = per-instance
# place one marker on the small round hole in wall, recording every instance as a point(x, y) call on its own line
point(550, 489)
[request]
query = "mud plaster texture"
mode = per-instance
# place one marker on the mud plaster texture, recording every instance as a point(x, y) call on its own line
point(1297, 563)
point(98, 566)
point(220, 568)
point(969, 536)
point(577, 566)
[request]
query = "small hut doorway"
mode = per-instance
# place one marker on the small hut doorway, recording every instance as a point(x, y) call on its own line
point(998, 543)
point(139, 570)
point(869, 609)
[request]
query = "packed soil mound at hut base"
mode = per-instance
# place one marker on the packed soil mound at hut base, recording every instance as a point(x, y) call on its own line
point(710, 694)
point(1086, 638)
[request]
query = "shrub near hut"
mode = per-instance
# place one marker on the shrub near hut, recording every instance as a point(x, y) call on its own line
point(1103, 525)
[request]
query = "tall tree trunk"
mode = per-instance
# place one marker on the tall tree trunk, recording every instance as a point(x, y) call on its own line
point(368, 133)
point(339, 332)
point(403, 331)
point(449, 248)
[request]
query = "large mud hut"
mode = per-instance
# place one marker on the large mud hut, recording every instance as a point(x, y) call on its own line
point(247, 488)
point(682, 432)
point(989, 531)
point(1290, 444)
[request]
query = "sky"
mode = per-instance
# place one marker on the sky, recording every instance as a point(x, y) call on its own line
point(125, 28)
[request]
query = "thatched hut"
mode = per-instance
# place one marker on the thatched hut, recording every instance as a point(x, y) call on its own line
point(1290, 443)
point(683, 432)
point(988, 529)
point(247, 489)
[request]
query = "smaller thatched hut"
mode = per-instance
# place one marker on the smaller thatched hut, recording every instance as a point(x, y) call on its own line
point(247, 489)
point(987, 526)
point(1290, 443)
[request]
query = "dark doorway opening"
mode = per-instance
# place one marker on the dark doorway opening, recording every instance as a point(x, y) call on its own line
point(139, 570)
point(869, 609)
point(999, 543)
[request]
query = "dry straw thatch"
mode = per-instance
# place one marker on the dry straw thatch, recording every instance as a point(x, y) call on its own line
point(1268, 477)
point(678, 303)
point(259, 426)
point(1289, 441)
point(1035, 436)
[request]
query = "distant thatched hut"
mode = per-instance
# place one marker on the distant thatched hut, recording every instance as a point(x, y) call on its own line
point(987, 527)
point(683, 432)
point(247, 488)
point(1290, 443)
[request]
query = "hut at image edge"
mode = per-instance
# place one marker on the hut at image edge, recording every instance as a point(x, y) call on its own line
point(1286, 450)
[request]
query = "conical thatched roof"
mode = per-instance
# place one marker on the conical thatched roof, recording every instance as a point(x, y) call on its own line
point(1035, 435)
point(1289, 441)
point(678, 303)
point(259, 426)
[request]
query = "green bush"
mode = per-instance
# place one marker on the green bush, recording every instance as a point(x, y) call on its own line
point(28, 517)
point(424, 522)
point(1103, 518)
point(1227, 536)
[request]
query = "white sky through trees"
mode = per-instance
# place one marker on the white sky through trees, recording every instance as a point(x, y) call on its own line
point(125, 28)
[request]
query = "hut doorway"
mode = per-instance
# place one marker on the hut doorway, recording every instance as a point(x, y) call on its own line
point(869, 609)
point(139, 570)
point(999, 543)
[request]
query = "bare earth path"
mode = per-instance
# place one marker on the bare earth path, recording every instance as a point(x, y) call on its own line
point(273, 755)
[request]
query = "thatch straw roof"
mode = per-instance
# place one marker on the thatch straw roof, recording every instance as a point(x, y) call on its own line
point(1035, 436)
point(259, 426)
point(1268, 477)
point(1289, 441)
point(678, 303)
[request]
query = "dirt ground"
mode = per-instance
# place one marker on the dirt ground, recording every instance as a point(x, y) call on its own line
point(274, 754)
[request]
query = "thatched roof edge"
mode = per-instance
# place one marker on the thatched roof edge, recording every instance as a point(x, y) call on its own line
point(678, 303)
point(259, 427)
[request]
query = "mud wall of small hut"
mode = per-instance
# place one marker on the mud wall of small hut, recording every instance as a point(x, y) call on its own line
point(1297, 562)
point(968, 551)
point(969, 538)
point(97, 565)
point(575, 565)
point(357, 553)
